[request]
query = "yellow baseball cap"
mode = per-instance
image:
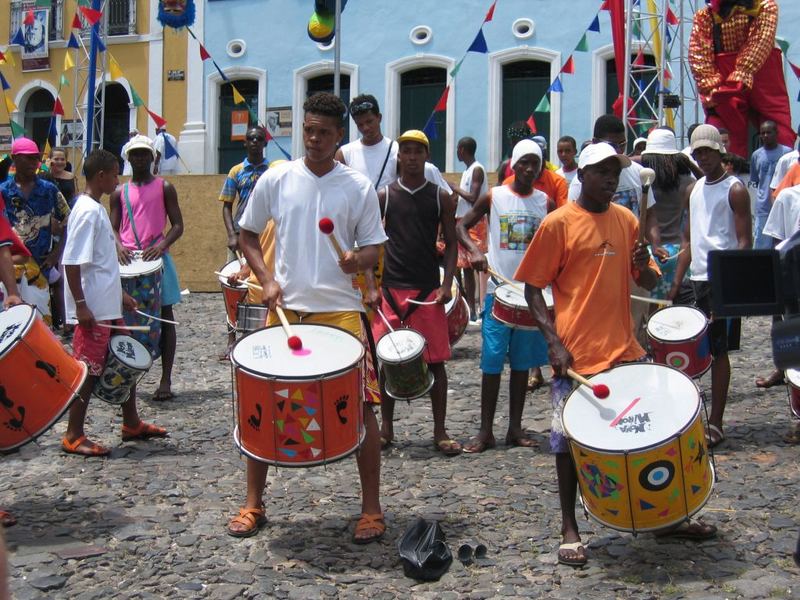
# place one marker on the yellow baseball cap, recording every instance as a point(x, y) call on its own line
point(415, 135)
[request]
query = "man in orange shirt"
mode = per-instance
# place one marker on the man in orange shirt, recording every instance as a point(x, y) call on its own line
point(588, 251)
point(791, 179)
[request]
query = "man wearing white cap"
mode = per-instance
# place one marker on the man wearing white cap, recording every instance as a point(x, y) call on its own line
point(719, 219)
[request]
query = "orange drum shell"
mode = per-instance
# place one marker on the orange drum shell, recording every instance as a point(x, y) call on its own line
point(299, 423)
point(232, 297)
point(42, 396)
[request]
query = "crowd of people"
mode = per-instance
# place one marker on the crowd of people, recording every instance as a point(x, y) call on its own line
point(588, 229)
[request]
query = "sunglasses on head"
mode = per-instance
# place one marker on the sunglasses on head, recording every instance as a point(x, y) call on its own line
point(361, 107)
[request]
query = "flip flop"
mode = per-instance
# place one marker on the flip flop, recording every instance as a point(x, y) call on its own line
point(90, 448)
point(448, 447)
point(7, 519)
point(521, 442)
point(714, 436)
point(476, 446)
point(578, 560)
point(690, 530)
point(366, 522)
point(143, 431)
point(252, 518)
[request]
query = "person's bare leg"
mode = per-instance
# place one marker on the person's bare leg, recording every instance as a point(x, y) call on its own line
point(439, 408)
point(490, 389)
point(256, 480)
point(567, 494)
point(469, 291)
point(77, 410)
point(720, 381)
point(168, 344)
point(387, 416)
point(517, 387)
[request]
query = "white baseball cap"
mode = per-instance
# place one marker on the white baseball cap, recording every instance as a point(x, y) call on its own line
point(597, 153)
point(139, 142)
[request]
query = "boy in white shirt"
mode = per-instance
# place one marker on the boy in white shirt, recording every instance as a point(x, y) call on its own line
point(94, 296)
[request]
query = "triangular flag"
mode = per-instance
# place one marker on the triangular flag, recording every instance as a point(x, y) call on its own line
point(639, 60)
point(490, 13)
point(76, 22)
point(18, 38)
point(237, 97)
point(595, 26)
point(583, 45)
point(637, 33)
point(479, 44)
point(52, 134)
point(204, 55)
point(17, 130)
point(569, 67)
point(795, 68)
point(29, 18)
point(604, 6)
point(169, 149)
point(671, 18)
point(114, 70)
point(221, 74)
point(10, 106)
point(158, 120)
point(58, 108)
point(63, 80)
point(68, 62)
point(9, 58)
point(543, 106)
point(2, 58)
point(101, 47)
point(455, 70)
point(289, 157)
point(798, 97)
point(669, 36)
point(4, 83)
point(254, 118)
point(73, 42)
point(430, 129)
point(442, 103)
point(83, 2)
point(531, 122)
point(784, 45)
point(556, 86)
point(91, 15)
point(137, 100)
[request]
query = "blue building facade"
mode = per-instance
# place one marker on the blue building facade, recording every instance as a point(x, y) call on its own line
point(404, 54)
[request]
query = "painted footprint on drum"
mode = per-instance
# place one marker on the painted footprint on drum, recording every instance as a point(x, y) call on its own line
point(255, 421)
point(13, 424)
point(47, 368)
point(341, 406)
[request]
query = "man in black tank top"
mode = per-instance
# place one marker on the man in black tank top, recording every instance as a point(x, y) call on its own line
point(414, 209)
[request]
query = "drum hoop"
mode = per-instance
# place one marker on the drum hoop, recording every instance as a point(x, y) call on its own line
point(321, 377)
point(225, 283)
point(160, 267)
point(694, 338)
point(403, 360)
point(27, 326)
point(123, 361)
point(680, 431)
point(497, 298)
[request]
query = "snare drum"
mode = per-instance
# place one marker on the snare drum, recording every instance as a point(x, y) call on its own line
point(142, 280)
point(405, 372)
point(457, 312)
point(679, 338)
point(641, 453)
point(250, 317)
point(298, 408)
point(793, 379)
point(510, 307)
point(128, 361)
point(38, 378)
point(232, 295)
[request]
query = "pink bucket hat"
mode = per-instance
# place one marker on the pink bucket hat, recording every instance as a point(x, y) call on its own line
point(24, 145)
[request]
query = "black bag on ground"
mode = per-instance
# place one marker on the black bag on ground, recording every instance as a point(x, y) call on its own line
point(423, 551)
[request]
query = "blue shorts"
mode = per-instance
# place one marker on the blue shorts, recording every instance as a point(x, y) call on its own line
point(524, 348)
point(170, 287)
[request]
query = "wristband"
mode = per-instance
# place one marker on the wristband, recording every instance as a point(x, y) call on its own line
point(81, 301)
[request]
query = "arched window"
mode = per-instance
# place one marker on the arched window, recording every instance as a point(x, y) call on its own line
point(38, 114)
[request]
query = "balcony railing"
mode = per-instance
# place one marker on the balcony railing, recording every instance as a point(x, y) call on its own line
point(119, 18)
point(55, 17)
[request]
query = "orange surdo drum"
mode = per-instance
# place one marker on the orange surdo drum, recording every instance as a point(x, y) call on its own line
point(38, 378)
point(298, 408)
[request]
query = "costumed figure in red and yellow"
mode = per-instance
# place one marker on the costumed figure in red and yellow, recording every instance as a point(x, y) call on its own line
point(738, 69)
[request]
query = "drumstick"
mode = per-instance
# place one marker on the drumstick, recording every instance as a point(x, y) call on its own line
point(239, 258)
point(255, 286)
point(326, 227)
point(647, 177)
point(513, 284)
point(420, 302)
point(652, 300)
point(129, 327)
point(295, 343)
point(385, 320)
point(144, 314)
point(600, 390)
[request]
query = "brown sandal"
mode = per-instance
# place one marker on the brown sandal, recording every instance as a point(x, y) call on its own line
point(252, 518)
point(365, 523)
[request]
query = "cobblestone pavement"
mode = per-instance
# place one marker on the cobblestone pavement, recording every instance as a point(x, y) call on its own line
point(150, 521)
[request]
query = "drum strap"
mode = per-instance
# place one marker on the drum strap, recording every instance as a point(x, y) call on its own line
point(383, 168)
point(411, 306)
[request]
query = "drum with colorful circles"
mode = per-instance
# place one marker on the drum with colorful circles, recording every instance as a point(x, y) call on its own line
point(679, 338)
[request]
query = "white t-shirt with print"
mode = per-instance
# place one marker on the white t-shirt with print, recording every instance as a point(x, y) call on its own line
point(466, 184)
point(568, 175)
point(306, 265)
point(368, 160)
point(784, 218)
point(629, 189)
point(91, 245)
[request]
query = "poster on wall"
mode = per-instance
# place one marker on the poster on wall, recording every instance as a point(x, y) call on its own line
point(279, 121)
point(35, 50)
point(71, 134)
point(240, 119)
point(5, 138)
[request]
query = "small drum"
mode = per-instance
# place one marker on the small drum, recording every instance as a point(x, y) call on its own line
point(38, 378)
point(510, 307)
point(232, 295)
point(679, 338)
point(298, 408)
point(141, 279)
point(640, 453)
point(793, 378)
point(128, 361)
point(250, 317)
point(405, 371)
point(457, 312)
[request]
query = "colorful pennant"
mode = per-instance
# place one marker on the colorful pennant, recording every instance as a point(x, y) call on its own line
point(237, 97)
point(17, 130)
point(556, 86)
point(531, 122)
point(137, 100)
point(595, 26)
point(157, 119)
point(5, 85)
point(91, 15)
point(114, 70)
point(58, 108)
point(68, 62)
point(18, 38)
point(73, 42)
point(29, 18)
point(490, 13)
point(76, 22)
point(569, 67)
point(441, 105)
point(583, 45)
point(479, 44)
point(204, 55)
point(543, 106)
point(10, 106)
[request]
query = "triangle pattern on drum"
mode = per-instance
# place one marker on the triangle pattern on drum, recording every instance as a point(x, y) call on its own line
point(315, 452)
point(696, 488)
point(645, 505)
point(313, 426)
point(282, 393)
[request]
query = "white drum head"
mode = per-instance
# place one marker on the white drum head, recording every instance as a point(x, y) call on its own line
point(326, 350)
point(676, 323)
point(511, 295)
point(14, 323)
point(647, 405)
point(229, 269)
point(793, 375)
point(400, 345)
point(130, 352)
point(137, 266)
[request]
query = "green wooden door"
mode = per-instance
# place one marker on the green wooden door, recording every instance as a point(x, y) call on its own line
point(230, 151)
point(324, 83)
point(524, 84)
point(420, 90)
point(38, 113)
